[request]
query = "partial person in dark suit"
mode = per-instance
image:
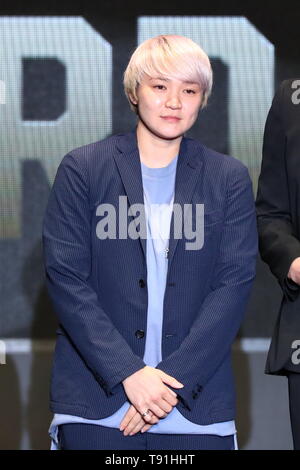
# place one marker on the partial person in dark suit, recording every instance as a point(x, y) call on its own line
point(278, 215)
point(149, 306)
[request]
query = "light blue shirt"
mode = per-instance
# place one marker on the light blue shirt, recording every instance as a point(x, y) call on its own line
point(158, 184)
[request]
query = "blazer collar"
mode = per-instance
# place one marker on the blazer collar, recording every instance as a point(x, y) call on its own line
point(189, 164)
point(127, 144)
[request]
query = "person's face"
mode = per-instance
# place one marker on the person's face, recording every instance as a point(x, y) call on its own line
point(167, 107)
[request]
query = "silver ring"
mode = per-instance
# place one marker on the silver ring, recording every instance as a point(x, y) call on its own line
point(146, 413)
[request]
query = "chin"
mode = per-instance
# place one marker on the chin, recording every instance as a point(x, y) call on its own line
point(172, 136)
point(164, 133)
point(168, 135)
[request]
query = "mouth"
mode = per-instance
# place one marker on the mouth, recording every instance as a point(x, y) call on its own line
point(171, 118)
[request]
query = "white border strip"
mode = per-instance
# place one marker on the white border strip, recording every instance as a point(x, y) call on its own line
point(252, 345)
point(25, 346)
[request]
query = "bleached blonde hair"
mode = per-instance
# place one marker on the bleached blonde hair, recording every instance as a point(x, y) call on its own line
point(171, 56)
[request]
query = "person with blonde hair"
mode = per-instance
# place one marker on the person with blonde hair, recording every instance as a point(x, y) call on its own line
point(150, 249)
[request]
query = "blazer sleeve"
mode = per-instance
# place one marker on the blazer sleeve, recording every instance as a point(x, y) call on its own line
point(67, 256)
point(219, 318)
point(277, 241)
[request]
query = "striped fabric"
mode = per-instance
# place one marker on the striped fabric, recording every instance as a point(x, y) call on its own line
point(90, 437)
point(99, 291)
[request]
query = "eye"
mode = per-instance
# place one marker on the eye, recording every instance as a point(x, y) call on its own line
point(190, 91)
point(159, 87)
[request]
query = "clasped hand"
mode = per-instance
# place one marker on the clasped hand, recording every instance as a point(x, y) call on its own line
point(146, 390)
point(294, 271)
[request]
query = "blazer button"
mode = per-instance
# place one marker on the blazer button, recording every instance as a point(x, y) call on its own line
point(142, 283)
point(140, 334)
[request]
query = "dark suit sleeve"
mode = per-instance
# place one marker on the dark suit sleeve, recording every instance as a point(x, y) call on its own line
point(67, 255)
point(217, 323)
point(277, 241)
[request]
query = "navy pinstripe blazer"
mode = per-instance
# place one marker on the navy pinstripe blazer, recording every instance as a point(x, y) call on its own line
point(99, 287)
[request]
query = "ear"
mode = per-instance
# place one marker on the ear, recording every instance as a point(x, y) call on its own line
point(132, 99)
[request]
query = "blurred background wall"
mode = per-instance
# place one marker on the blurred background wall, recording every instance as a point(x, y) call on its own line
point(61, 87)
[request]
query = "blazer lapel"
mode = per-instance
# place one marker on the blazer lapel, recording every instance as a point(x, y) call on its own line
point(129, 165)
point(187, 173)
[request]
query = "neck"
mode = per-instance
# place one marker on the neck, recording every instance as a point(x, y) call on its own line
point(156, 152)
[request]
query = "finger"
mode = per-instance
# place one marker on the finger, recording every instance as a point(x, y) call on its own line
point(158, 410)
point(172, 392)
point(150, 417)
point(127, 418)
point(137, 419)
point(138, 427)
point(141, 426)
point(146, 427)
point(166, 378)
point(164, 408)
point(167, 406)
point(172, 400)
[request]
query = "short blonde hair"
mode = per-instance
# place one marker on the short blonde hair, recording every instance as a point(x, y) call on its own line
point(170, 55)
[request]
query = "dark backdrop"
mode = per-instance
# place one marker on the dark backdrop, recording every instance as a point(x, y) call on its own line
point(25, 307)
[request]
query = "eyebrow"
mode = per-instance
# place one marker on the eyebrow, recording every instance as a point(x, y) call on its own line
point(160, 78)
point(167, 80)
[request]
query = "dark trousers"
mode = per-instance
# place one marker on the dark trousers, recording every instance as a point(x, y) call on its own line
point(93, 437)
point(294, 401)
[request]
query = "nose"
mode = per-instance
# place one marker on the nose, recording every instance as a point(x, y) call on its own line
point(173, 101)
